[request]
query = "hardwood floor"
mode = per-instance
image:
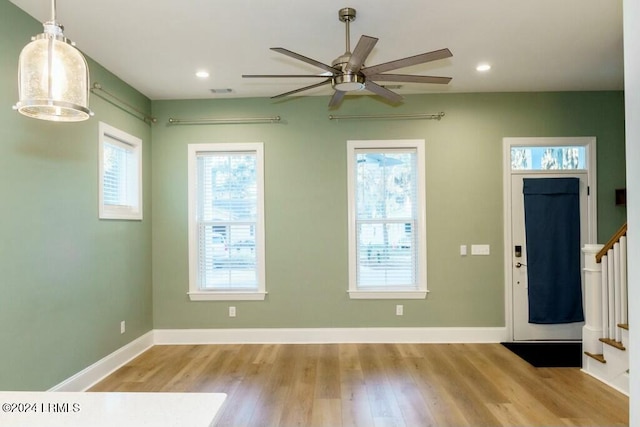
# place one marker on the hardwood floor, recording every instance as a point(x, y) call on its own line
point(375, 385)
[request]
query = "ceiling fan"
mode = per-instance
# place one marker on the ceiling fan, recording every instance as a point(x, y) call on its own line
point(347, 73)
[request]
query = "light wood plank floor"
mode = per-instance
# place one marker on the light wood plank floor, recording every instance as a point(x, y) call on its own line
point(375, 385)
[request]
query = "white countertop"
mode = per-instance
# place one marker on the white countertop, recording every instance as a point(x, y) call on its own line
point(66, 409)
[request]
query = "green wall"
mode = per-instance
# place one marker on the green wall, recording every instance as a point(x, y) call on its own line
point(67, 279)
point(306, 204)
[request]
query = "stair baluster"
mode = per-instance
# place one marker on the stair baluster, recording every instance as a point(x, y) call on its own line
point(624, 295)
point(611, 295)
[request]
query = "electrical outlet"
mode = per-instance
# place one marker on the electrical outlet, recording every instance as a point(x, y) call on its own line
point(232, 311)
point(399, 310)
point(123, 327)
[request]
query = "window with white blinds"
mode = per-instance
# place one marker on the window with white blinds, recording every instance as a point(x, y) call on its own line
point(226, 237)
point(387, 239)
point(120, 174)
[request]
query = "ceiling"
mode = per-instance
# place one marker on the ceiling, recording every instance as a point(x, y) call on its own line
point(532, 45)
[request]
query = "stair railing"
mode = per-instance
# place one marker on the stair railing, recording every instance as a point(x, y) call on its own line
point(606, 294)
point(614, 282)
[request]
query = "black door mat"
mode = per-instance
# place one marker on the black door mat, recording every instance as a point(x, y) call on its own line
point(548, 354)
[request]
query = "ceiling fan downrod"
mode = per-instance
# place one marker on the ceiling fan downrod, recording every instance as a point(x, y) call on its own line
point(347, 15)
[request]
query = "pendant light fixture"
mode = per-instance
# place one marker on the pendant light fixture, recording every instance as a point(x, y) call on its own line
point(53, 77)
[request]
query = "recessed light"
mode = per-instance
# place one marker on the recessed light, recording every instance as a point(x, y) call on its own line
point(483, 67)
point(202, 74)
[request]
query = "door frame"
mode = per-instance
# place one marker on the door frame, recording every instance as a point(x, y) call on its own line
point(589, 142)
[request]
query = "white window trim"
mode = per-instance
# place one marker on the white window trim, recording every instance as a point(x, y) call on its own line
point(118, 212)
point(421, 291)
point(196, 294)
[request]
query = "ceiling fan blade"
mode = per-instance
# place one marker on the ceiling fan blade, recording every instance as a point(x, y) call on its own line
point(406, 62)
point(383, 92)
point(409, 78)
point(336, 99)
point(304, 59)
point(363, 49)
point(282, 75)
point(302, 89)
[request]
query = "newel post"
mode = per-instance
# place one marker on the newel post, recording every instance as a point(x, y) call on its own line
point(592, 329)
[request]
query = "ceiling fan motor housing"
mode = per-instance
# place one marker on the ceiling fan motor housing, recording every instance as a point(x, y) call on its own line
point(345, 80)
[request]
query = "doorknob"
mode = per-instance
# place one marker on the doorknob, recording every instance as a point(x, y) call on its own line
point(519, 264)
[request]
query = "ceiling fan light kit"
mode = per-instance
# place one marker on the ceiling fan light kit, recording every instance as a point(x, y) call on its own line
point(347, 73)
point(348, 82)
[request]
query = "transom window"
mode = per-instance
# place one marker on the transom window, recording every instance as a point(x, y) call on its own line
point(387, 238)
point(548, 158)
point(226, 236)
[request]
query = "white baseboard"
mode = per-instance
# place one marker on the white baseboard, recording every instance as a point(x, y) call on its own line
point(624, 388)
point(89, 376)
point(329, 335)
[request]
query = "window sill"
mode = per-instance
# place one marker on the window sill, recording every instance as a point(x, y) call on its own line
point(226, 296)
point(132, 217)
point(387, 294)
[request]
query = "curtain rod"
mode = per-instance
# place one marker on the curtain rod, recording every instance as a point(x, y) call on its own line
point(436, 116)
point(114, 100)
point(224, 121)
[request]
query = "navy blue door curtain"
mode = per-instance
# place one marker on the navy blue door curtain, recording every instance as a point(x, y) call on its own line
point(552, 224)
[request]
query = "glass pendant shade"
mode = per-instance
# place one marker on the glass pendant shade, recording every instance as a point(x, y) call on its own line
point(53, 78)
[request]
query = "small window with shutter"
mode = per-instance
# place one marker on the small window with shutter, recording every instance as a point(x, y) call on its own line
point(120, 174)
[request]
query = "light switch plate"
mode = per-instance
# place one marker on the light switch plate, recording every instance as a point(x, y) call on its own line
point(480, 250)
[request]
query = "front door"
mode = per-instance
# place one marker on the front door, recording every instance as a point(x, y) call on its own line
point(522, 328)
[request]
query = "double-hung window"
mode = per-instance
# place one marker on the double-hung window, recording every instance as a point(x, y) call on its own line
point(226, 221)
point(120, 174)
point(387, 231)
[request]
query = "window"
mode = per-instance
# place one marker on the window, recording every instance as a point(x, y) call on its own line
point(548, 158)
point(226, 222)
point(387, 232)
point(120, 174)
